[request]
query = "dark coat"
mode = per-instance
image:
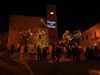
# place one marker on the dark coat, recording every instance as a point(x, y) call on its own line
point(73, 51)
point(57, 51)
point(38, 50)
point(12, 47)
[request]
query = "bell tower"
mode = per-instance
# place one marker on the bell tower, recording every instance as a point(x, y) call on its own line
point(52, 23)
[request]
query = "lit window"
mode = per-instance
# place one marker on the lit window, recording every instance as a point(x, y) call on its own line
point(51, 11)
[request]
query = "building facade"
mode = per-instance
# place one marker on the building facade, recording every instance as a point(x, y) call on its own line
point(91, 37)
point(52, 23)
point(4, 39)
point(19, 23)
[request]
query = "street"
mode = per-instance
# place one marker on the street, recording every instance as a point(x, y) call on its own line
point(13, 64)
point(65, 68)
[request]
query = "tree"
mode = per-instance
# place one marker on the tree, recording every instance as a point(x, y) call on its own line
point(43, 34)
point(76, 35)
point(67, 36)
point(26, 35)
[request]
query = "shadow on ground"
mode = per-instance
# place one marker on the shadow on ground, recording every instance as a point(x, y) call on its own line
point(5, 58)
point(63, 68)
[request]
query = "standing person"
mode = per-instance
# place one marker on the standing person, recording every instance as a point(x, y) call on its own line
point(12, 48)
point(98, 54)
point(73, 52)
point(53, 54)
point(95, 55)
point(57, 52)
point(38, 52)
point(69, 52)
point(87, 54)
point(60, 48)
point(19, 47)
point(44, 52)
point(53, 45)
point(62, 44)
point(47, 48)
point(78, 54)
point(91, 54)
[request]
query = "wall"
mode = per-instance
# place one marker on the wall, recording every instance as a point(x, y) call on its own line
point(53, 32)
point(4, 39)
point(20, 23)
point(91, 36)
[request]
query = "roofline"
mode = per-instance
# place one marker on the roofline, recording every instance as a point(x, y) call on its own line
point(91, 28)
point(27, 15)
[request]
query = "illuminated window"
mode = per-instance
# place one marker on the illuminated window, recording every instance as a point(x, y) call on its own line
point(87, 37)
point(51, 11)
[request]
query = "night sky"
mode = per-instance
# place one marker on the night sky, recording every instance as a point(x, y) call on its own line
point(71, 14)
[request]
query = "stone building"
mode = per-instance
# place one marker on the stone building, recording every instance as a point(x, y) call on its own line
point(4, 39)
point(18, 23)
point(91, 37)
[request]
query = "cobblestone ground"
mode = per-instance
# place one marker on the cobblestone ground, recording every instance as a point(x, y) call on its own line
point(10, 67)
point(4, 71)
point(65, 68)
point(45, 68)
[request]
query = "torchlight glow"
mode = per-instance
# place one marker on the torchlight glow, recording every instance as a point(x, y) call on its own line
point(51, 13)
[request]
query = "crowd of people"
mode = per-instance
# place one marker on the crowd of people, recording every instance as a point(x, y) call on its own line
point(58, 49)
point(92, 54)
point(40, 54)
point(75, 52)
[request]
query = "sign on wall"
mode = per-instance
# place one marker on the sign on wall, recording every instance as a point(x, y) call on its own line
point(50, 24)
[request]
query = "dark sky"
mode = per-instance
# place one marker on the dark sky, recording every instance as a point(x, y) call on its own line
point(71, 14)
